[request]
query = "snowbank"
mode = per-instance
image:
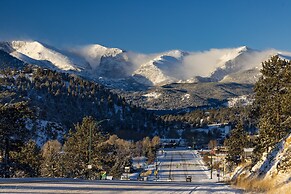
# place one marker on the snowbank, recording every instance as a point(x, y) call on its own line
point(271, 173)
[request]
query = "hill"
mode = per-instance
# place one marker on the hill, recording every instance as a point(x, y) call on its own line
point(59, 100)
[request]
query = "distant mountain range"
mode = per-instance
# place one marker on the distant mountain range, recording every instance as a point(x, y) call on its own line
point(129, 71)
point(149, 69)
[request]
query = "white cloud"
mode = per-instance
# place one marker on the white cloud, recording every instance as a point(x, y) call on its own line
point(204, 63)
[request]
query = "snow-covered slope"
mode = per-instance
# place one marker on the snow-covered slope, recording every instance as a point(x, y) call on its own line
point(36, 52)
point(163, 69)
point(249, 76)
point(272, 171)
point(277, 161)
point(229, 63)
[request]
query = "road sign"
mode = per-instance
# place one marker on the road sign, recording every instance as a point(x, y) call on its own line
point(104, 175)
point(156, 172)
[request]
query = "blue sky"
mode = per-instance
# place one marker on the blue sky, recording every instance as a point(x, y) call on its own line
point(150, 26)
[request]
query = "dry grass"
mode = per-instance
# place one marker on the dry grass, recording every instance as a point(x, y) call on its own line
point(288, 142)
point(285, 189)
point(256, 185)
point(269, 186)
point(147, 173)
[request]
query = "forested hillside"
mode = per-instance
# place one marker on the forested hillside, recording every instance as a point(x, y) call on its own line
point(55, 125)
point(59, 100)
point(7, 60)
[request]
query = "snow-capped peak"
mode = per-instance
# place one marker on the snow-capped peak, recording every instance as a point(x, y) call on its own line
point(178, 54)
point(32, 50)
point(243, 49)
point(231, 55)
point(17, 45)
point(161, 69)
point(94, 52)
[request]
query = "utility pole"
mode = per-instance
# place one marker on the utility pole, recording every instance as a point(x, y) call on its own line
point(156, 173)
point(212, 144)
point(211, 168)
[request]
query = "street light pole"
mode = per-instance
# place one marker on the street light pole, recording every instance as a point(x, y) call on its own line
point(90, 147)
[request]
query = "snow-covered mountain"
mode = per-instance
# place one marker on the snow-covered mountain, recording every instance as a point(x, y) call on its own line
point(95, 52)
point(105, 62)
point(239, 65)
point(37, 53)
point(163, 69)
point(242, 64)
point(228, 63)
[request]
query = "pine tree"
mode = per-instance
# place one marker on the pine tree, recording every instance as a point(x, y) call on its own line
point(28, 160)
point(235, 143)
point(273, 92)
point(81, 150)
point(13, 132)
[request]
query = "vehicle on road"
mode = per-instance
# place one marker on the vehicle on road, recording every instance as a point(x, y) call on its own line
point(188, 178)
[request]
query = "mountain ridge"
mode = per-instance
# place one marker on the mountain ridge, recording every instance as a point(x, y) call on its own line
point(174, 66)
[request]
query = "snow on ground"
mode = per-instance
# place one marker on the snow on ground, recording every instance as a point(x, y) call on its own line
point(152, 95)
point(241, 100)
point(190, 80)
point(186, 96)
point(45, 130)
point(273, 167)
point(139, 162)
point(270, 162)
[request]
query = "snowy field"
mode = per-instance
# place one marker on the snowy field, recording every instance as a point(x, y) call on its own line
point(174, 166)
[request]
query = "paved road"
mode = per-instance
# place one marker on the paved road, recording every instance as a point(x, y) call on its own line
point(107, 187)
point(176, 165)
